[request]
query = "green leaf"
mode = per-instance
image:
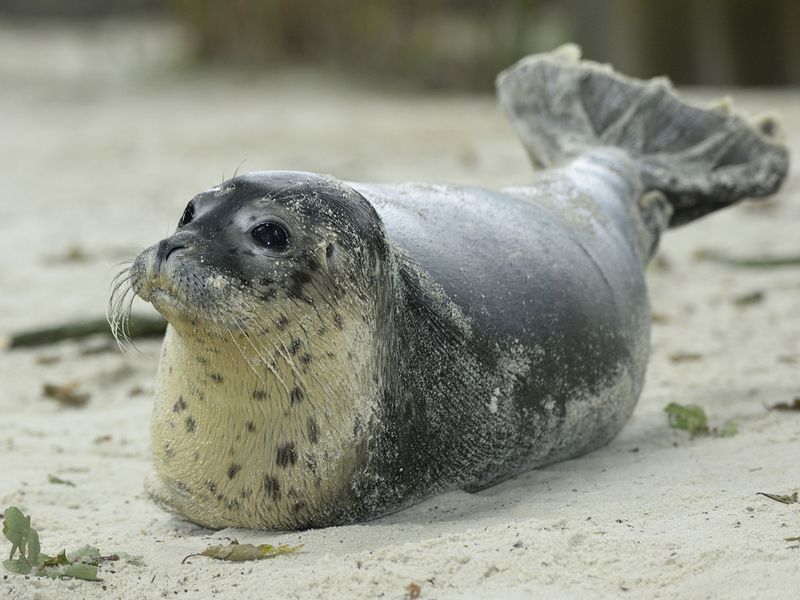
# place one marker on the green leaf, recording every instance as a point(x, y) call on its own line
point(54, 561)
point(79, 564)
point(18, 565)
point(691, 418)
point(34, 554)
point(51, 572)
point(85, 554)
point(16, 528)
point(81, 571)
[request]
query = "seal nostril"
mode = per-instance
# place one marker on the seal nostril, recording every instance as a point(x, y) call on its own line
point(173, 249)
point(165, 249)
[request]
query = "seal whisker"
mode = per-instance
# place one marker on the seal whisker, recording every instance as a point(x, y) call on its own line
point(119, 307)
point(236, 170)
point(258, 375)
point(261, 357)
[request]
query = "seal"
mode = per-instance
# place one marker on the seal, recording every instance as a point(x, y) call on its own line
point(338, 351)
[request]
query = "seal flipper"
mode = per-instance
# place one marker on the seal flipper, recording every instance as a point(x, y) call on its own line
point(701, 160)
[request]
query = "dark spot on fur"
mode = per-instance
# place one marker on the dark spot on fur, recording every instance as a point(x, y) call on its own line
point(233, 250)
point(251, 427)
point(338, 321)
point(272, 486)
point(246, 493)
point(329, 256)
point(295, 346)
point(301, 277)
point(220, 497)
point(311, 463)
point(201, 360)
point(191, 424)
point(281, 323)
point(232, 504)
point(296, 396)
point(212, 487)
point(306, 358)
point(292, 493)
point(330, 355)
point(233, 470)
point(298, 279)
point(170, 369)
point(182, 486)
point(356, 426)
point(298, 506)
point(313, 430)
point(313, 264)
point(169, 452)
point(217, 377)
point(286, 455)
point(259, 395)
point(322, 331)
point(179, 405)
point(266, 281)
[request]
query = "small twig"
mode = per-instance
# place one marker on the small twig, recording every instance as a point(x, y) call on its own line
point(140, 326)
point(753, 262)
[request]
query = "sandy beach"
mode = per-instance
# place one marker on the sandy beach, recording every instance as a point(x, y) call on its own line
point(105, 136)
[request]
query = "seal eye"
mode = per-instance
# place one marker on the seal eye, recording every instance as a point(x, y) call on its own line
point(187, 216)
point(271, 235)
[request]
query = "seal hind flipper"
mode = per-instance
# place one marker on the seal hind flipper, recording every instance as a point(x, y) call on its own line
point(700, 159)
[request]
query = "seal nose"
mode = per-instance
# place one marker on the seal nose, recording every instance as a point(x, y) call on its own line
point(165, 249)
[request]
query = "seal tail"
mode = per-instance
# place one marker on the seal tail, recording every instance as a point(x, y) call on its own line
point(701, 160)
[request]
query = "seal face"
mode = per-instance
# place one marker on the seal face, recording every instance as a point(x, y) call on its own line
point(340, 351)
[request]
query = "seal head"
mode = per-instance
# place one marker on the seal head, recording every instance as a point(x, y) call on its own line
point(274, 288)
point(265, 236)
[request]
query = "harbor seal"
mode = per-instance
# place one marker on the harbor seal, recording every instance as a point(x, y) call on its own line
point(339, 351)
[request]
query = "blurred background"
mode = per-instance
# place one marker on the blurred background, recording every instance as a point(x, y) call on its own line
point(114, 113)
point(462, 44)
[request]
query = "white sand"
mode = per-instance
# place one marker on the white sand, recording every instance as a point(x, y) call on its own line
point(101, 147)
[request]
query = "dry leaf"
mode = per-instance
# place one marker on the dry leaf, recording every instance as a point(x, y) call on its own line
point(786, 406)
point(234, 551)
point(413, 591)
point(682, 357)
point(58, 480)
point(136, 390)
point(751, 298)
point(66, 393)
point(47, 359)
point(783, 499)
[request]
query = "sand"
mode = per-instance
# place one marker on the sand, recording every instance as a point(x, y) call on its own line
point(105, 138)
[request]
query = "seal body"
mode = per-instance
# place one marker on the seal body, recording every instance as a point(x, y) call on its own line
point(338, 351)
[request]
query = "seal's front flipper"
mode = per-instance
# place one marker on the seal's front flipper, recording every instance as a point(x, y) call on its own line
point(700, 159)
